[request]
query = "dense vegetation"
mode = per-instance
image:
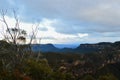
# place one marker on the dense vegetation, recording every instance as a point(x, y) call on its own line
point(24, 64)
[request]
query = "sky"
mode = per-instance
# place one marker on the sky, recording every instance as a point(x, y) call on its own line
point(67, 21)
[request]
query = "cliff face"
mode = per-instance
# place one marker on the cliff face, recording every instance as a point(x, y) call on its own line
point(102, 46)
point(98, 45)
point(87, 48)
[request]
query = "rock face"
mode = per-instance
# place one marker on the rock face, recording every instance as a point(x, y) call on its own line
point(88, 48)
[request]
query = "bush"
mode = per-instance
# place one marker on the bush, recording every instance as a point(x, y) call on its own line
point(108, 77)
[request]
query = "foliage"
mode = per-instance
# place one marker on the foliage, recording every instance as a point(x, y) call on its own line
point(16, 67)
point(108, 77)
point(37, 70)
point(88, 77)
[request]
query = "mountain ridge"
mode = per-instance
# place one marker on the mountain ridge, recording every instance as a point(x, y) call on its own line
point(82, 48)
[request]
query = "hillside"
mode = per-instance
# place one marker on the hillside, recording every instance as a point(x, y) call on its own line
point(111, 69)
point(97, 65)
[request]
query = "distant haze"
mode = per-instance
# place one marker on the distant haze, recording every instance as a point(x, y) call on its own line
point(66, 45)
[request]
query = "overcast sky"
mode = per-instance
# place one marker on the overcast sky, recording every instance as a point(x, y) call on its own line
point(68, 21)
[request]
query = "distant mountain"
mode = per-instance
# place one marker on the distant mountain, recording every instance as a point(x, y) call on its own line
point(82, 48)
point(44, 48)
point(61, 46)
point(50, 48)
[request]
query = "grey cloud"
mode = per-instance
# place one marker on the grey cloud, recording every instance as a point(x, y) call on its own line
point(77, 16)
point(111, 34)
point(100, 15)
point(84, 28)
point(43, 29)
point(51, 38)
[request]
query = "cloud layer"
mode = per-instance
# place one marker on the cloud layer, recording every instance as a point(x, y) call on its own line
point(94, 15)
point(91, 18)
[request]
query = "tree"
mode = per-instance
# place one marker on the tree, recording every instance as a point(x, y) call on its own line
point(14, 56)
point(18, 35)
point(14, 34)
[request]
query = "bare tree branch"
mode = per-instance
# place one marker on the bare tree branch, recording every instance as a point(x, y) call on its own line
point(38, 56)
point(3, 13)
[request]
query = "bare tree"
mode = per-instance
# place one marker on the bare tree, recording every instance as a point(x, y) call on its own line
point(13, 36)
point(16, 36)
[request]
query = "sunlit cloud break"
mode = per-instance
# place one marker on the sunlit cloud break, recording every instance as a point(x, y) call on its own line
point(46, 32)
